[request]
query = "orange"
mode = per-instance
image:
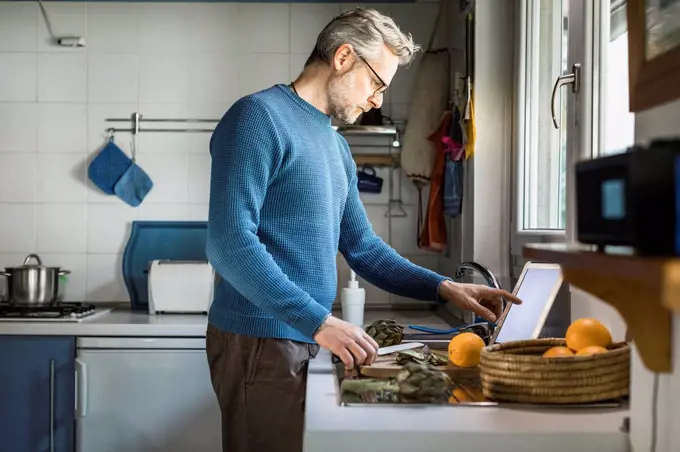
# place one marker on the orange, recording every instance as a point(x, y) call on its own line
point(558, 352)
point(467, 394)
point(465, 349)
point(591, 350)
point(586, 332)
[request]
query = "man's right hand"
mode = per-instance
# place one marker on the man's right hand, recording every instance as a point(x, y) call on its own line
point(348, 342)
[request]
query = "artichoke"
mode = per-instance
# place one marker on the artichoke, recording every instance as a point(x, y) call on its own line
point(386, 332)
point(421, 383)
point(415, 383)
point(424, 356)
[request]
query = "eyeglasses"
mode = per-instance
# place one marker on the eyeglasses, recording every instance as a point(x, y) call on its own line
point(381, 90)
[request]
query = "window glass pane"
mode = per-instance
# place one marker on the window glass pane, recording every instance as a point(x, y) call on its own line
point(543, 160)
point(619, 123)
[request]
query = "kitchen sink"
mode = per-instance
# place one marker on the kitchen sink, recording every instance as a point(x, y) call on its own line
point(440, 343)
point(469, 387)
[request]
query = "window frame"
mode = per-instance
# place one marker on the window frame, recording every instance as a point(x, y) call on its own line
point(524, 107)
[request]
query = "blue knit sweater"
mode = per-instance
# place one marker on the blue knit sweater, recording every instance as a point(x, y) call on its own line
point(283, 202)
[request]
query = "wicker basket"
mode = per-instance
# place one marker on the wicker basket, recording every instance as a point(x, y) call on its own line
point(516, 372)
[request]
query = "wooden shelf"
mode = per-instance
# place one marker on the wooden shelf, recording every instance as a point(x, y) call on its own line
point(377, 160)
point(644, 290)
point(351, 130)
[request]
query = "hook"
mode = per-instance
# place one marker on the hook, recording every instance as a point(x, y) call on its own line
point(111, 132)
point(136, 118)
point(396, 143)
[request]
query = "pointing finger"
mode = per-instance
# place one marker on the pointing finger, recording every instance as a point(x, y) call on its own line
point(505, 294)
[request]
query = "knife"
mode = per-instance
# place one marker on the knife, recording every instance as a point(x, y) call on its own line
point(399, 347)
point(382, 351)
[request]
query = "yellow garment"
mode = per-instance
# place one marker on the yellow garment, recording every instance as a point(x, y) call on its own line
point(471, 131)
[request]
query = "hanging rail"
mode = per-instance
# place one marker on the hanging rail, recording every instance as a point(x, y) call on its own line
point(351, 130)
point(390, 160)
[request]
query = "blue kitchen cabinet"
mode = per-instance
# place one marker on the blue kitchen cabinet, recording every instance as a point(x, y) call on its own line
point(37, 393)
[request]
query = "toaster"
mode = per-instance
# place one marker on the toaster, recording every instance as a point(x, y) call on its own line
point(181, 287)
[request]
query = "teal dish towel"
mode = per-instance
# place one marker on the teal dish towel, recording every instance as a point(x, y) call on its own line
point(453, 187)
point(108, 167)
point(133, 186)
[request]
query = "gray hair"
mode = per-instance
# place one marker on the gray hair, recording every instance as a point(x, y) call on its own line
point(366, 30)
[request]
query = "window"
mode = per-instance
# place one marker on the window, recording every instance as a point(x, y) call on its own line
point(547, 29)
point(542, 169)
point(618, 123)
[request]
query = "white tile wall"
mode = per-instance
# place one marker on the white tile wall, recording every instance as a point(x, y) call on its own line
point(18, 76)
point(163, 60)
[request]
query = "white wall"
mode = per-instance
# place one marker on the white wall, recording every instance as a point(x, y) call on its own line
point(486, 225)
point(163, 60)
point(655, 123)
point(658, 122)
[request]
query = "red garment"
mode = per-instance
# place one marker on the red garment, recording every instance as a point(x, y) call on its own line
point(433, 235)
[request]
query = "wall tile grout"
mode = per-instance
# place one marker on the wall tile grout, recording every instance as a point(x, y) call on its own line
point(166, 157)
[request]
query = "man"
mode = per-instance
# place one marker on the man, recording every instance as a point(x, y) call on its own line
point(283, 202)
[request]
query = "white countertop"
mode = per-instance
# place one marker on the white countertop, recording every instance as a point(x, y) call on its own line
point(120, 321)
point(115, 322)
point(330, 427)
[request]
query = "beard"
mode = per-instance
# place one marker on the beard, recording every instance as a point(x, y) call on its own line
point(339, 106)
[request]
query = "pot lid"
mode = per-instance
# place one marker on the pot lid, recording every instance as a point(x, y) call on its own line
point(28, 264)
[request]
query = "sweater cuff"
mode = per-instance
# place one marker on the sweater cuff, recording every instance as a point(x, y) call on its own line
point(438, 297)
point(310, 319)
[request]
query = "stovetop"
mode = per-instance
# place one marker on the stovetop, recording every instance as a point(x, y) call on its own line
point(62, 311)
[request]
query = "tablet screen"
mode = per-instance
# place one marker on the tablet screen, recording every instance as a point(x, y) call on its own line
point(538, 289)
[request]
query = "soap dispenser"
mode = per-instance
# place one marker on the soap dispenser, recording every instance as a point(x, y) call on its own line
point(353, 300)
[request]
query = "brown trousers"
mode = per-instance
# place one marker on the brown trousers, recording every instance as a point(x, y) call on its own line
point(260, 385)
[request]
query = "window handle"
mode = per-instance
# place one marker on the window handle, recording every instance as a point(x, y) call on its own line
point(573, 79)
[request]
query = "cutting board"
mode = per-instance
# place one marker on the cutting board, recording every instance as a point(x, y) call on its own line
point(387, 367)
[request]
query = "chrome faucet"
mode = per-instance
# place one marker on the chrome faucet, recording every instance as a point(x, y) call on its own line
point(469, 267)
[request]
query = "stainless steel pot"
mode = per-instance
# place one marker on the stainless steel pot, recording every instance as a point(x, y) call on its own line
point(33, 284)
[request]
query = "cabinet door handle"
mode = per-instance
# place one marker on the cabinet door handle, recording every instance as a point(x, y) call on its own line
point(81, 389)
point(51, 405)
point(573, 79)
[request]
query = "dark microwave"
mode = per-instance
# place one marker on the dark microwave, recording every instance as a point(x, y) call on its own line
point(631, 199)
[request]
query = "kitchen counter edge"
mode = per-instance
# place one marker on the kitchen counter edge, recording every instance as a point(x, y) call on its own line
point(116, 322)
point(119, 321)
point(330, 427)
